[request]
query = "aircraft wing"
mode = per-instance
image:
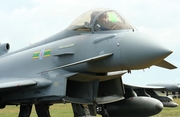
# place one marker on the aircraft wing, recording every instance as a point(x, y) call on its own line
point(145, 87)
point(9, 84)
point(149, 91)
point(165, 64)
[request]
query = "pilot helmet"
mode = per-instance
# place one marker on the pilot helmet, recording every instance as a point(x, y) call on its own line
point(103, 15)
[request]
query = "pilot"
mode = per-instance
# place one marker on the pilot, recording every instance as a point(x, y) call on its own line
point(101, 22)
point(102, 18)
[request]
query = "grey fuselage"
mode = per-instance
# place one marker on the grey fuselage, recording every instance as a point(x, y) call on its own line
point(78, 65)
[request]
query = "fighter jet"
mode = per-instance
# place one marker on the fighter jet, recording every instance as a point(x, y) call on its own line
point(77, 66)
point(150, 91)
point(173, 88)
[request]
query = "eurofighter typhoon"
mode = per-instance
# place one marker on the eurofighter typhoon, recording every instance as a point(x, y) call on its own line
point(79, 66)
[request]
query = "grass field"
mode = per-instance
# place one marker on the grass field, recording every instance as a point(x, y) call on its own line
point(65, 110)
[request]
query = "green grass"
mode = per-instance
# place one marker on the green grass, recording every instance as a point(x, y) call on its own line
point(65, 110)
point(170, 112)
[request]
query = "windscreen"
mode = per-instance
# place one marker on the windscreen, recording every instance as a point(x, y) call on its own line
point(99, 20)
point(110, 20)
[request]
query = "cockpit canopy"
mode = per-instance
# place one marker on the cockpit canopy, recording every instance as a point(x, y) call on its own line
point(100, 20)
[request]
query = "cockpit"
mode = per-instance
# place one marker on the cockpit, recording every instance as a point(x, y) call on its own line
point(100, 20)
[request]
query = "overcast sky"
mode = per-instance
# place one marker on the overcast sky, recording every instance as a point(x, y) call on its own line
point(24, 22)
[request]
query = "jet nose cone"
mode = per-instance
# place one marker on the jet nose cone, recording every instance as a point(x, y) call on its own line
point(139, 51)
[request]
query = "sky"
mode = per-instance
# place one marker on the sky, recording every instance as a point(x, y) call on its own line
point(25, 22)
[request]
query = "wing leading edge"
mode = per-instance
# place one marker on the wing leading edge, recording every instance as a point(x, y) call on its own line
point(16, 83)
